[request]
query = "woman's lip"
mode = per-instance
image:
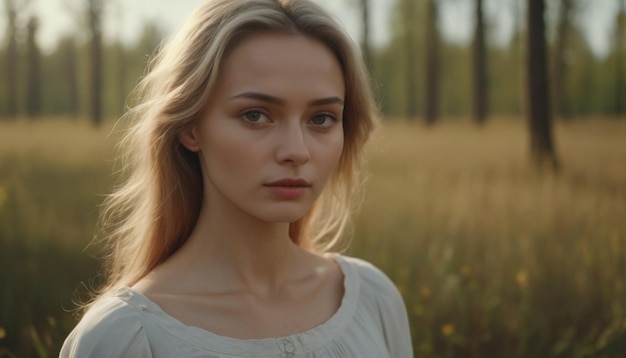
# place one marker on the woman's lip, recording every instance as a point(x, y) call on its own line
point(287, 192)
point(289, 183)
point(288, 188)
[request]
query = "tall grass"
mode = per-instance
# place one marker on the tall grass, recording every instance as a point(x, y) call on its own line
point(53, 174)
point(493, 259)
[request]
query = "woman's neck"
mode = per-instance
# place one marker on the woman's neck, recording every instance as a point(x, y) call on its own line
point(238, 252)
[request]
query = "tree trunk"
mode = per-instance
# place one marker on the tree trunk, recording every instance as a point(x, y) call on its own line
point(480, 67)
point(121, 78)
point(411, 58)
point(432, 63)
point(365, 35)
point(560, 59)
point(620, 53)
point(33, 83)
point(95, 9)
point(12, 58)
point(538, 90)
point(69, 54)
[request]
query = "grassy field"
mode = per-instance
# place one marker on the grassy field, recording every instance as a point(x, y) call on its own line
point(493, 258)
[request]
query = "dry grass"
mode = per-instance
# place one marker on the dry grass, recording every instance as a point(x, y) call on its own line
point(493, 258)
point(62, 141)
point(456, 178)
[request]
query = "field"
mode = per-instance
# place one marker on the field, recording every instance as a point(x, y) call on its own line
point(493, 258)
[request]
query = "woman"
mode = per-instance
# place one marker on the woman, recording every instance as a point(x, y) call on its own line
point(243, 161)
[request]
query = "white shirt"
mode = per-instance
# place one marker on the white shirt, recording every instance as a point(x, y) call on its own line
point(370, 322)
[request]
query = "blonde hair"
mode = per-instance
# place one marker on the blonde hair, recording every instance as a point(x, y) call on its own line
point(153, 212)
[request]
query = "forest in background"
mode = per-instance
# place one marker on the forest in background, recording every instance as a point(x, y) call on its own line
point(417, 74)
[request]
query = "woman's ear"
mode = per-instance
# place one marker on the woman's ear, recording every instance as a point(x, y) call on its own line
point(189, 139)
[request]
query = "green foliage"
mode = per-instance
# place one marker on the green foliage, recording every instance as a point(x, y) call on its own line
point(123, 66)
point(47, 216)
point(399, 71)
point(52, 178)
point(590, 81)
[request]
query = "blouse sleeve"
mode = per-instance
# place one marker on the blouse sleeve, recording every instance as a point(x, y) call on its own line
point(108, 332)
point(396, 325)
point(390, 308)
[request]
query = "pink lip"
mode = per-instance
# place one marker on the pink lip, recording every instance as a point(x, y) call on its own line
point(288, 188)
point(294, 183)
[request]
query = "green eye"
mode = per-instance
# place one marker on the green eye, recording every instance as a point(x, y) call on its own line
point(323, 120)
point(253, 116)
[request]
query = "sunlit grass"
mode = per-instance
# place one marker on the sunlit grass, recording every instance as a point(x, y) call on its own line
point(493, 259)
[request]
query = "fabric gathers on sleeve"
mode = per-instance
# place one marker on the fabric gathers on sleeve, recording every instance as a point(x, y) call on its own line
point(385, 297)
point(109, 330)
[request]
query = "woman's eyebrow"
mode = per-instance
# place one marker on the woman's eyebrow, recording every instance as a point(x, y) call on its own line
point(259, 96)
point(325, 101)
point(275, 100)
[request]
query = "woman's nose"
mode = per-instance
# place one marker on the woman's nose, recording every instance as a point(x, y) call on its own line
point(292, 146)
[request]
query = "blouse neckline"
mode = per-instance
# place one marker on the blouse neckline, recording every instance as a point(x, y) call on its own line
point(295, 344)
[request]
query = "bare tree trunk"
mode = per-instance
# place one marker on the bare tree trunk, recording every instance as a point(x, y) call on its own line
point(538, 91)
point(411, 58)
point(365, 35)
point(67, 49)
point(560, 59)
point(72, 78)
point(94, 12)
point(33, 83)
point(480, 67)
point(620, 52)
point(432, 63)
point(121, 78)
point(12, 58)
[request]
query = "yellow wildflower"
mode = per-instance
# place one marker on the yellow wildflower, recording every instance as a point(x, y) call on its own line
point(521, 277)
point(465, 271)
point(3, 333)
point(448, 329)
point(425, 292)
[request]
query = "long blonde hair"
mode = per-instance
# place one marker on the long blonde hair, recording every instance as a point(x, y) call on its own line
point(153, 212)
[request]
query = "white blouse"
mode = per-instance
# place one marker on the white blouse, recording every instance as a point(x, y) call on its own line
point(370, 322)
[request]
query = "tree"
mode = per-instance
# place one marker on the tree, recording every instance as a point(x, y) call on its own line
point(12, 57)
point(365, 34)
point(480, 67)
point(432, 62)
point(67, 51)
point(95, 11)
point(620, 52)
point(409, 12)
point(538, 93)
point(33, 83)
point(561, 54)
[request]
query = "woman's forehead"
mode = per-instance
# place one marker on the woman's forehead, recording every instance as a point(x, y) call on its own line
point(280, 62)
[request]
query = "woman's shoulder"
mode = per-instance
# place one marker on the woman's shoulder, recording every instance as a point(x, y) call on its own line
point(381, 299)
point(370, 276)
point(112, 327)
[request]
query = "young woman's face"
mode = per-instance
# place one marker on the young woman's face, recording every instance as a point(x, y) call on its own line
point(272, 133)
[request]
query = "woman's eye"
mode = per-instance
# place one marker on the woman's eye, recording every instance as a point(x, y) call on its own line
point(323, 120)
point(254, 117)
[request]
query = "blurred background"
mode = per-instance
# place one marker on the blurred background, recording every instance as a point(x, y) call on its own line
point(496, 183)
